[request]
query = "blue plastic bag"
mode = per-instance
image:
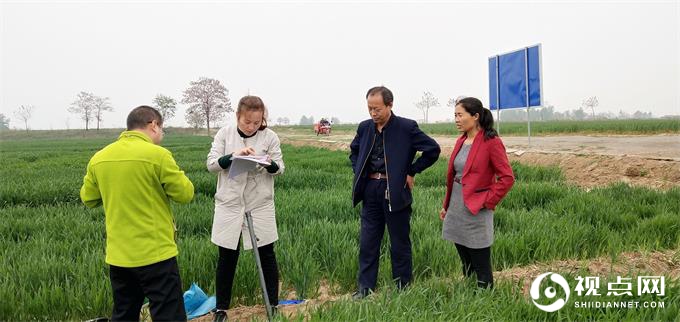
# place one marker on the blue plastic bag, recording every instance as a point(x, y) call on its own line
point(291, 302)
point(196, 303)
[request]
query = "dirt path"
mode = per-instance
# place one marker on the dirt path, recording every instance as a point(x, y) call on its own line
point(627, 264)
point(587, 161)
point(657, 147)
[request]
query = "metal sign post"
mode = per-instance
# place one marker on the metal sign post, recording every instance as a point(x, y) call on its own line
point(517, 83)
point(526, 77)
point(498, 95)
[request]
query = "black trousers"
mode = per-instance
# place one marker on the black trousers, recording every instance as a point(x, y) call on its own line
point(477, 261)
point(226, 271)
point(374, 215)
point(159, 282)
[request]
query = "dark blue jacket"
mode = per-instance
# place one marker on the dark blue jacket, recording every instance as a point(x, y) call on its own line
point(403, 138)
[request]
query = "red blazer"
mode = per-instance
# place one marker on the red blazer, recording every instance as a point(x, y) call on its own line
point(486, 161)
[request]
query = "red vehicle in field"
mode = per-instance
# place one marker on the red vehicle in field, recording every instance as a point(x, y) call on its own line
point(323, 127)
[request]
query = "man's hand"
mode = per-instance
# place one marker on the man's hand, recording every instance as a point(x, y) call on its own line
point(410, 181)
point(246, 151)
point(442, 214)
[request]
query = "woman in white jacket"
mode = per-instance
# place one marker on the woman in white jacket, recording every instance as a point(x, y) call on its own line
point(252, 191)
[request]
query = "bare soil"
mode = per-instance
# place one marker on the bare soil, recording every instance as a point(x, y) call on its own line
point(628, 264)
point(587, 161)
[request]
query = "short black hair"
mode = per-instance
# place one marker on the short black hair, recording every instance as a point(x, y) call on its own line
point(386, 94)
point(140, 116)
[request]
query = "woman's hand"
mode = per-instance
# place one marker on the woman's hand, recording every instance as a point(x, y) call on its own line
point(442, 214)
point(246, 151)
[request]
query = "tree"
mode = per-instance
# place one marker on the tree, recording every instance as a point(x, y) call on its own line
point(307, 120)
point(166, 105)
point(282, 120)
point(24, 113)
point(4, 122)
point(453, 101)
point(579, 114)
point(195, 119)
point(100, 105)
point(207, 99)
point(642, 115)
point(590, 102)
point(426, 102)
point(547, 112)
point(84, 106)
point(335, 120)
point(90, 108)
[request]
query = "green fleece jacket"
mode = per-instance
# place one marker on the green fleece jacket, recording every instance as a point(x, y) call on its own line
point(134, 180)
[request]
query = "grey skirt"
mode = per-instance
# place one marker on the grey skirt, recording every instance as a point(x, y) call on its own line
point(462, 227)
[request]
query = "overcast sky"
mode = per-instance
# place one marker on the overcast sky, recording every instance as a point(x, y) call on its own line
point(320, 58)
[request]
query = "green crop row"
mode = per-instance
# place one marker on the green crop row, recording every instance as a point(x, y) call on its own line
point(52, 248)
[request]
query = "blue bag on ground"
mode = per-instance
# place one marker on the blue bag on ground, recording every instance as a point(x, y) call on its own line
point(196, 303)
point(291, 302)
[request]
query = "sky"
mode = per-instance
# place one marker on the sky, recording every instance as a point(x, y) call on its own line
point(320, 58)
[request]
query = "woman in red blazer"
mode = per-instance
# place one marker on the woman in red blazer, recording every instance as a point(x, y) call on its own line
point(479, 176)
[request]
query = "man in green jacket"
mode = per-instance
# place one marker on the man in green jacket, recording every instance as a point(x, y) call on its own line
point(134, 179)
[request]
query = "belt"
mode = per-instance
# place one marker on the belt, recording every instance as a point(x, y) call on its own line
point(456, 180)
point(377, 176)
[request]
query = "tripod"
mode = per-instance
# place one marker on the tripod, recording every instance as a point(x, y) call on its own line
point(253, 241)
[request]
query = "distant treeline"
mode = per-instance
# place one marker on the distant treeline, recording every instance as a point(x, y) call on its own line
point(630, 126)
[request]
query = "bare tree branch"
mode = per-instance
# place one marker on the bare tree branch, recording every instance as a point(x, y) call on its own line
point(101, 105)
point(590, 102)
point(454, 101)
point(24, 113)
point(84, 107)
point(426, 102)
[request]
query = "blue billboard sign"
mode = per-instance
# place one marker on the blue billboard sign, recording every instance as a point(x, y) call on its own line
point(515, 79)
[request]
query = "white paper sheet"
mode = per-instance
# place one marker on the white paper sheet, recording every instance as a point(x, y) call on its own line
point(244, 163)
point(261, 159)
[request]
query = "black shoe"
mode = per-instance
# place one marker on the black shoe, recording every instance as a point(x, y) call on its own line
point(220, 316)
point(361, 294)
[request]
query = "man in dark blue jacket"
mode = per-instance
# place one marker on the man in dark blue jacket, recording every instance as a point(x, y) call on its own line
point(382, 159)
